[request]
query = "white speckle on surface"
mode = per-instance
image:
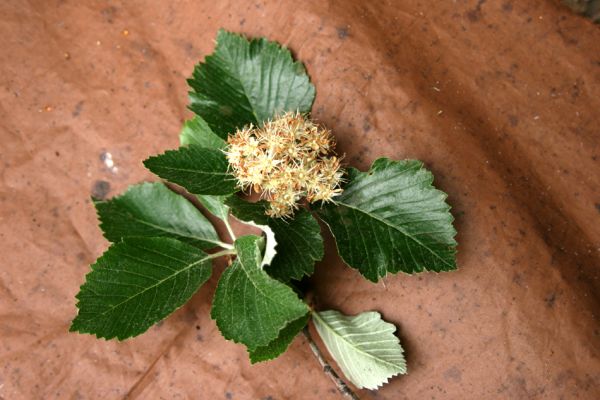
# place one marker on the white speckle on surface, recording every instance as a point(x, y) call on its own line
point(107, 159)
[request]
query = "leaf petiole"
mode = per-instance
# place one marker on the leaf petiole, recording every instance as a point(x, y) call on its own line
point(229, 250)
point(229, 229)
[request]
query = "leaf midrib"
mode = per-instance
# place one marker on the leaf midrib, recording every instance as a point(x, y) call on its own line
point(216, 242)
point(237, 75)
point(197, 171)
point(399, 229)
point(151, 287)
point(325, 324)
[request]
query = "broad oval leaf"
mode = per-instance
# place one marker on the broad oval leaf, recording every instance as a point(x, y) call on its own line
point(137, 283)
point(196, 131)
point(152, 210)
point(249, 306)
point(364, 346)
point(198, 169)
point(247, 82)
point(392, 219)
point(299, 240)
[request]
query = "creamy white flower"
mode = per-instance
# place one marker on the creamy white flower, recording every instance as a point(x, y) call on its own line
point(288, 159)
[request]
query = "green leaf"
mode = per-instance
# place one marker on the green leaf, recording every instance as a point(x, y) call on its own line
point(392, 219)
point(364, 346)
point(245, 82)
point(198, 169)
point(196, 131)
point(279, 345)
point(249, 306)
point(299, 240)
point(152, 210)
point(137, 283)
point(215, 205)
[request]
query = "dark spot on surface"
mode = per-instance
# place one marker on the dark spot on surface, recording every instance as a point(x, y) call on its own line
point(575, 91)
point(453, 374)
point(342, 32)
point(268, 398)
point(228, 395)
point(242, 21)
point(550, 300)
point(146, 49)
point(199, 338)
point(78, 396)
point(517, 279)
point(57, 153)
point(189, 49)
point(366, 126)
point(598, 207)
point(567, 36)
point(507, 7)
point(77, 109)
point(474, 15)
point(197, 327)
point(100, 189)
point(109, 14)
point(513, 120)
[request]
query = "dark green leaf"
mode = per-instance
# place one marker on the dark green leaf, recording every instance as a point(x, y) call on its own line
point(215, 205)
point(245, 82)
point(137, 283)
point(196, 131)
point(249, 306)
point(279, 345)
point(199, 170)
point(392, 219)
point(152, 210)
point(299, 240)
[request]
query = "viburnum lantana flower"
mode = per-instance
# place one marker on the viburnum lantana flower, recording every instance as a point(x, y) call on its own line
point(288, 158)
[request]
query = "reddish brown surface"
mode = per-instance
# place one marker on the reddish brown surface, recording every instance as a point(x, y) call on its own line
point(500, 99)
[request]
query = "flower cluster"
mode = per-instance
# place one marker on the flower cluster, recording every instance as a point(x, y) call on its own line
point(285, 160)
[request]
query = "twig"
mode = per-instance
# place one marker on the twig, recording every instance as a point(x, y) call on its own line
point(341, 385)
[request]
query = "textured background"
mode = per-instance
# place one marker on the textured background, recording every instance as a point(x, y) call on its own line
point(501, 99)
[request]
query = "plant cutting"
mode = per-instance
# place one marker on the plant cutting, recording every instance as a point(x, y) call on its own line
point(252, 135)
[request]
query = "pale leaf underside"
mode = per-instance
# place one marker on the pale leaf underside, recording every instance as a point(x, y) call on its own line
point(364, 346)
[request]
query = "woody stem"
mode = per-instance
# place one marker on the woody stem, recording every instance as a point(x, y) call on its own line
point(342, 387)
